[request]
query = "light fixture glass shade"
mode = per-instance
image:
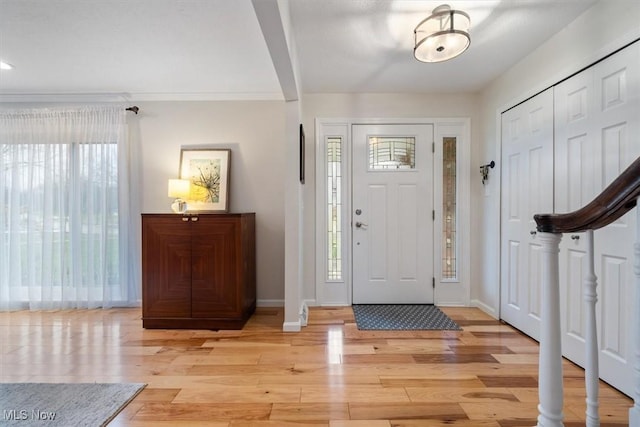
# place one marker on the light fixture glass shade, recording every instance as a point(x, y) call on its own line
point(442, 36)
point(179, 188)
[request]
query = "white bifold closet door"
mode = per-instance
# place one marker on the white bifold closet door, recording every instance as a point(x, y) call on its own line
point(559, 150)
point(597, 135)
point(527, 189)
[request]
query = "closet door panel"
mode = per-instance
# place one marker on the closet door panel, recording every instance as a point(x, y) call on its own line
point(595, 112)
point(574, 188)
point(527, 183)
point(576, 264)
point(615, 139)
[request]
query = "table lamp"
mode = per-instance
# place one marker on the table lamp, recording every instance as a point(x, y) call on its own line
point(179, 188)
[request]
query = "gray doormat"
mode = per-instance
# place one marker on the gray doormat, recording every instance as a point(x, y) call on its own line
point(45, 404)
point(402, 317)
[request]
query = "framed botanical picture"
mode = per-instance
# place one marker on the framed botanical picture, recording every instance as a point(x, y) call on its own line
point(208, 171)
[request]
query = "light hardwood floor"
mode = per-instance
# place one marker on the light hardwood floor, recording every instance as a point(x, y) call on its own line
point(330, 374)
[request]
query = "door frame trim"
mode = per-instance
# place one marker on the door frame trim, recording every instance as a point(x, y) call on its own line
point(339, 293)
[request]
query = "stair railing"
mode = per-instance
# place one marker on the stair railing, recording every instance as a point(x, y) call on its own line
point(617, 199)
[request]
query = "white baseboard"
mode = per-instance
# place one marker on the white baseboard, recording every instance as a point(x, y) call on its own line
point(270, 303)
point(484, 307)
point(291, 327)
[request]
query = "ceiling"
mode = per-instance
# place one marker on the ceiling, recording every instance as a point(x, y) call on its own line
point(215, 49)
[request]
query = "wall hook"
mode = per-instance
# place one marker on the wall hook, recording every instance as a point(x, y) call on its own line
point(484, 171)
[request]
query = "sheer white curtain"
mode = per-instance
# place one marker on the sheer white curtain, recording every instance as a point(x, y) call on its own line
point(66, 214)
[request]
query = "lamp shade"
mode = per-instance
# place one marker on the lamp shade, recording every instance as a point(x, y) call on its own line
point(442, 36)
point(178, 188)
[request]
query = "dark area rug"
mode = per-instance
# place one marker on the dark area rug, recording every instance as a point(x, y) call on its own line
point(402, 317)
point(63, 405)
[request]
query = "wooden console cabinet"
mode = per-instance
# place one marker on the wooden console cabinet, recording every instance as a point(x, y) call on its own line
point(198, 270)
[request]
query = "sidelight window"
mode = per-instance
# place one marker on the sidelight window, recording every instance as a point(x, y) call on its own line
point(334, 208)
point(449, 210)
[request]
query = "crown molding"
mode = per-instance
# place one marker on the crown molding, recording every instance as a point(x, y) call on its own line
point(132, 97)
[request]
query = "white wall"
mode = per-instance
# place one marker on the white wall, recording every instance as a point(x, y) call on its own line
point(254, 131)
point(607, 26)
point(353, 105)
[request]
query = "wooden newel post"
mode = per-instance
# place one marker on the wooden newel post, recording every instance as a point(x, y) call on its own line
point(634, 412)
point(550, 389)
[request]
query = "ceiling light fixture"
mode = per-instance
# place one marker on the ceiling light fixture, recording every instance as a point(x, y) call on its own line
point(442, 36)
point(5, 66)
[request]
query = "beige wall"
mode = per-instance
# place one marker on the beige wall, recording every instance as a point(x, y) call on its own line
point(254, 130)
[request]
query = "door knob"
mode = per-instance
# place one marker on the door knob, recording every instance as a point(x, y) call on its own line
point(360, 224)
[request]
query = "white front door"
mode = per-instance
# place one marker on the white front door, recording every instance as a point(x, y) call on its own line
point(392, 208)
point(527, 189)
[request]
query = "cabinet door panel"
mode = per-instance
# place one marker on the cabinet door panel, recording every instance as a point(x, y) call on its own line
point(215, 245)
point(167, 267)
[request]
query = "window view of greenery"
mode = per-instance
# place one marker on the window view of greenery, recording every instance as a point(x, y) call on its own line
point(59, 216)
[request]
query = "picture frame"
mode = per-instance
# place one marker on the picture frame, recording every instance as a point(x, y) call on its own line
point(302, 144)
point(208, 170)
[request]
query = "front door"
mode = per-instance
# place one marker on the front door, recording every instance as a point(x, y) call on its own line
point(392, 214)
